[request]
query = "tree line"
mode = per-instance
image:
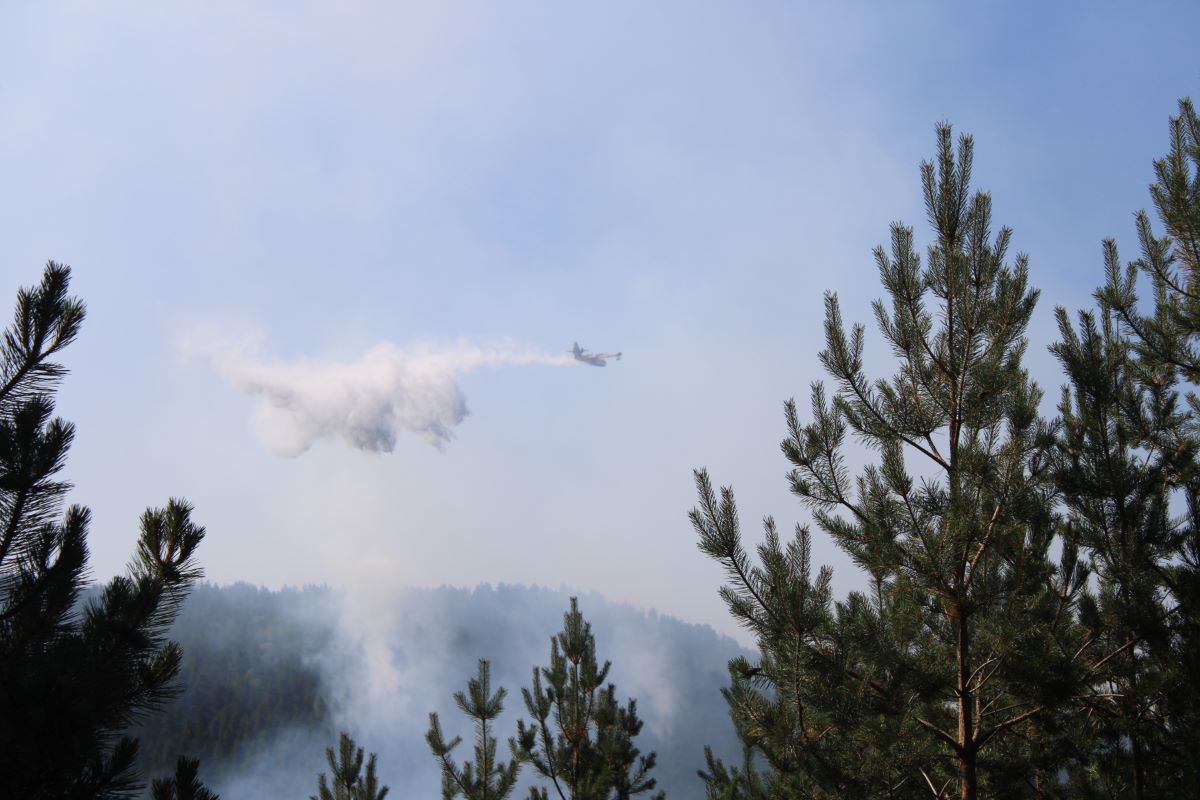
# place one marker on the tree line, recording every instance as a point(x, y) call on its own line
point(1029, 625)
point(248, 674)
point(269, 676)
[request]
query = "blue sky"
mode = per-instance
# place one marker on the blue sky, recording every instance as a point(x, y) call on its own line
point(679, 181)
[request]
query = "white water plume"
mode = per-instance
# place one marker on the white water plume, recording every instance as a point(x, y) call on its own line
point(367, 402)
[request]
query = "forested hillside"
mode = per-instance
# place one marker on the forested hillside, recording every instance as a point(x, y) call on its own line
point(248, 672)
point(269, 678)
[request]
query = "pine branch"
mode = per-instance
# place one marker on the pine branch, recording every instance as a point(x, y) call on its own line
point(1008, 723)
point(941, 734)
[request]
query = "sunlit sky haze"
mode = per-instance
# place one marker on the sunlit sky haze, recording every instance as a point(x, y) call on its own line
point(680, 181)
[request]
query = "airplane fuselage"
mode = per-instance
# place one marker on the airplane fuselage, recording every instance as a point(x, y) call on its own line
point(594, 359)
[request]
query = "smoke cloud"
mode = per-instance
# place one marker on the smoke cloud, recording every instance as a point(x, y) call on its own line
point(367, 402)
point(383, 657)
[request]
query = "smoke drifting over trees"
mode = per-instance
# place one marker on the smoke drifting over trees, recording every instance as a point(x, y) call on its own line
point(271, 677)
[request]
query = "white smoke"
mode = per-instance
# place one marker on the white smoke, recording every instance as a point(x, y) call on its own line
point(395, 654)
point(367, 402)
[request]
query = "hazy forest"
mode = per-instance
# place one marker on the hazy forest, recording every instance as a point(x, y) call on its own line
point(1025, 621)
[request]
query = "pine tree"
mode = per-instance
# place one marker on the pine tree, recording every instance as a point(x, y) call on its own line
point(485, 778)
point(949, 675)
point(1168, 336)
point(347, 781)
point(581, 737)
point(1117, 503)
point(1129, 456)
point(183, 785)
point(72, 680)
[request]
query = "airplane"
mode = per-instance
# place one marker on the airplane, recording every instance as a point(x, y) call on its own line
point(595, 359)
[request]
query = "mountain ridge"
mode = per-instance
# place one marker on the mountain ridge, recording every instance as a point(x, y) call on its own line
point(270, 675)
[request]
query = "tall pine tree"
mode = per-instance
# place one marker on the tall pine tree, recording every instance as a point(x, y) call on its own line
point(581, 737)
point(72, 680)
point(947, 677)
point(486, 778)
point(1130, 482)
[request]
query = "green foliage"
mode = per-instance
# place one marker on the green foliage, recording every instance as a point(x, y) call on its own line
point(581, 738)
point(1167, 336)
point(822, 721)
point(485, 778)
point(1128, 457)
point(347, 781)
point(72, 682)
point(934, 681)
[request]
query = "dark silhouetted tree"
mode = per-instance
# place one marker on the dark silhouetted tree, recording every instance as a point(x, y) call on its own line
point(184, 785)
point(72, 679)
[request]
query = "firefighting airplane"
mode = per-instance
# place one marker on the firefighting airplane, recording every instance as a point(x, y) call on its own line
point(595, 359)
